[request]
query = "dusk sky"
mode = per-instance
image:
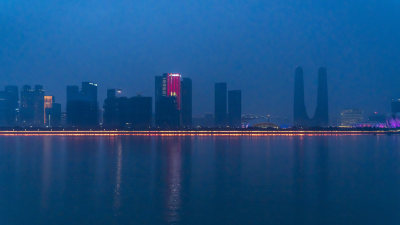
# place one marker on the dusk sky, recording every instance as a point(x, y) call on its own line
point(253, 45)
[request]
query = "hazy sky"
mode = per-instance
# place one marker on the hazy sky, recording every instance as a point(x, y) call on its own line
point(253, 45)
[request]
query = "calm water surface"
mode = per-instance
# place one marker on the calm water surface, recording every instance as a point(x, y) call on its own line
point(200, 180)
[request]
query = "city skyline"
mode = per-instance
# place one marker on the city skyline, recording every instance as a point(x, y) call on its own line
point(173, 107)
point(199, 112)
point(118, 45)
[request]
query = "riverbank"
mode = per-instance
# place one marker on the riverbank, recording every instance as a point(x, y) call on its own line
point(195, 132)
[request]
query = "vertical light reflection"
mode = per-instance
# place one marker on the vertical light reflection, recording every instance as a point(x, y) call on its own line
point(322, 168)
point(117, 188)
point(46, 171)
point(299, 180)
point(174, 181)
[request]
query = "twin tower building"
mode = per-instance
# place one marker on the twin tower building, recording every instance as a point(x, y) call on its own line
point(321, 115)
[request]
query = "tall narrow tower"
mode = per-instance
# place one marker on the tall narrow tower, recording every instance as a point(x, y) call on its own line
point(300, 117)
point(321, 116)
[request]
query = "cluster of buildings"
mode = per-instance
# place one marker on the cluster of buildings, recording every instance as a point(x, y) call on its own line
point(358, 118)
point(228, 106)
point(32, 108)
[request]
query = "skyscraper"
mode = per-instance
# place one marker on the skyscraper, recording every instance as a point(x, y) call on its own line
point(127, 113)
point(174, 87)
point(235, 108)
point(38, 106)
point(139, 110)
point(168, 100)
point(52, 112)
point(220, 104)
point(82, 106)
point(186, 109)
point(48, 104)
point(13, 98)
point(300, 117)
point(111, 107)
point(321, 117)
point(168, 113)
point(9, 106)
point(32, 106)
point(54, 115)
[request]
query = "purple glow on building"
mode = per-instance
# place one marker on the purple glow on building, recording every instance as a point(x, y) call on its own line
point(393, 122)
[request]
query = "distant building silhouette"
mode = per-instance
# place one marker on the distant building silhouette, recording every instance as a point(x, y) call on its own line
point(186, 110)
point(321, 116)
point(220, 105)
point(111, 110)
point(9, 106)
point(127, 113)
point(168, 113)
point(235, 108)
point(32, 106)
point(300, 116)
point(82, 106)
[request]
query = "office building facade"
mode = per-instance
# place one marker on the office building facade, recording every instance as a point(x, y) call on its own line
point(235, 108)
point(186, 109)
point(32, 106)
point(168, 100)
point(9, 106)
point(82, 105)
point(127, 113)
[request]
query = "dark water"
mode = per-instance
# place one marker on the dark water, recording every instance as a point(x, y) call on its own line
point(200, 180)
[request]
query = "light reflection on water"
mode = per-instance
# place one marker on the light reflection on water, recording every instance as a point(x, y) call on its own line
point(200, 180)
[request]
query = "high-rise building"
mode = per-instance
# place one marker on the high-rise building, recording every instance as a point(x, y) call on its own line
point(321, 117)
point(186, 109)
point(9, 106)
point(138, 112)
point(82, 106)
point(13, 98)
point(48, 104)
point(174, 87)
point(127, 113)
point(55, 115)
point(4, 109)
point(300, 117)
point(52, 112)
point(220, 104)
point(168, 100)
point(168, 113)
point(32, 106)
point(111, 107)
point(235, 108)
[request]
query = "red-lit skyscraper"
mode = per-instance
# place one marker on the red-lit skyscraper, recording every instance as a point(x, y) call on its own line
point(174, 87)
point(168, 100)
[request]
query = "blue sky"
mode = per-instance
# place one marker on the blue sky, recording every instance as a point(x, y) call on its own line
point(252, 45)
